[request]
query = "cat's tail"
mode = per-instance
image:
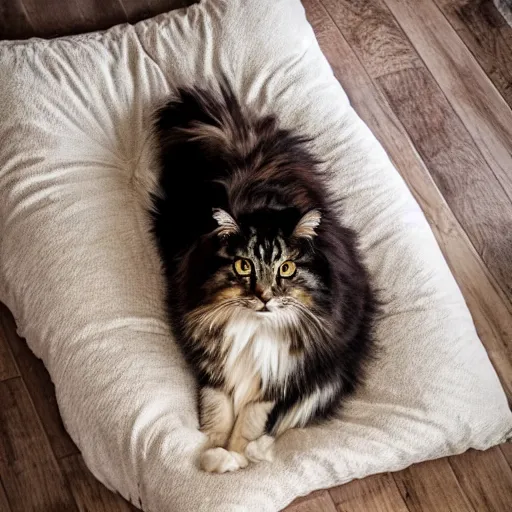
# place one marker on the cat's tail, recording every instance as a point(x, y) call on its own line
point(211, 118)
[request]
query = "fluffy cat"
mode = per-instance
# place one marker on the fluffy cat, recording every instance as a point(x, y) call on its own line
point(267, 293)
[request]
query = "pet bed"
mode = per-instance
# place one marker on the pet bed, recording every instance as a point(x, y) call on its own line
point(80, 271)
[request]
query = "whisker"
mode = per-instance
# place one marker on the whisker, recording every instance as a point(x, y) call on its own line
point(209, 314)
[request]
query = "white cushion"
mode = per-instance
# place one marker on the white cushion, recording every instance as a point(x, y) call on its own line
point(81, 274)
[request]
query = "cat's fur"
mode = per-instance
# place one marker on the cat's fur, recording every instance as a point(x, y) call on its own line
point(270, 352)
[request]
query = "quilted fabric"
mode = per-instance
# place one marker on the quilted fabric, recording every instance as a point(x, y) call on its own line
point(81, 274)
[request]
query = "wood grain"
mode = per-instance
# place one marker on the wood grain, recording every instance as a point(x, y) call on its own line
point(136, 10)
point(487, 35)
point(14, 22)
point(490, 309)
point(469, 185)
point(506, 449)
point(4, 504)
point(485, 478)
point(8, 367)
point(477, 102)
point(140, 9)
point(379, 41)
point(89, 493)
point(70, 16)
point(432, 487)
point(320, 502)
point(30, 475)
point(158, 6)
point(310, 496)
point(21, 19)
point(39, 385)
point(464, 179)
point(377, 493)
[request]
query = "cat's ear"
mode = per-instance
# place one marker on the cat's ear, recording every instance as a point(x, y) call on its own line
point(306, 227)
point(227, 225)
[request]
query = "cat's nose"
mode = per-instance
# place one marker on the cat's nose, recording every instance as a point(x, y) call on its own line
point(264, 294)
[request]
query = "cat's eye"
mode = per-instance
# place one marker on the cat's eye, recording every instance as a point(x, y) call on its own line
point(243, 267)
point(287, 269)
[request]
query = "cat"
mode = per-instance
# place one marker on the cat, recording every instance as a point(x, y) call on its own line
point(268, 295)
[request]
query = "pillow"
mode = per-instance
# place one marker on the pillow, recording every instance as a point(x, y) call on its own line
point(81, 274)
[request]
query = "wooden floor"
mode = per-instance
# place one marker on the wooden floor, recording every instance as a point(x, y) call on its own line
point(433, 80)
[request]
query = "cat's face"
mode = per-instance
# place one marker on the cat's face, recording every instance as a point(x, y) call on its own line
point(264, 270)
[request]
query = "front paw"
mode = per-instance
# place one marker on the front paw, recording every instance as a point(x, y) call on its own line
point(220, 460)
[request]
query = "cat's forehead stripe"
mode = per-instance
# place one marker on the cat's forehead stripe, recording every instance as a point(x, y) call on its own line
point(265, 250)
point(277, 249)
point(261, 251)
point(252, 243)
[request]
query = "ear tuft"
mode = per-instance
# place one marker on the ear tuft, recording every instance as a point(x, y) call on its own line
point(227, 225)
point(307, 225)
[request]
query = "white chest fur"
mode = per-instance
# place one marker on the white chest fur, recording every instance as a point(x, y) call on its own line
point(257, 355)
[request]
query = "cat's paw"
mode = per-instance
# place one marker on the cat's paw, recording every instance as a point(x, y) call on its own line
point(220, 460)
point(260, 449)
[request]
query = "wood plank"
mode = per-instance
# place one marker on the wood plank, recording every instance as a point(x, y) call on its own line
point(374, 35)
point(158, 6)
point(21, 19)
point(89, 493)
point(481, 108)
point(308, 497)
point(14, 21)
point(377, 493)
point(471, 190)
point(140, 9)
point(487, 35)
point(39, 385)
point(321, 502)
point(28, 470)
point(431, 487)
point(485, 478)
point(491, 312)
point(4, 504)
point(469, 185)
point(136, 10)
point(98, 17)
point(506, 449)
point(8, 367)
point(52, 18)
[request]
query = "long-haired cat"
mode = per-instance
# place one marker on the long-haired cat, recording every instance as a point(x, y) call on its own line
point(267, 294)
